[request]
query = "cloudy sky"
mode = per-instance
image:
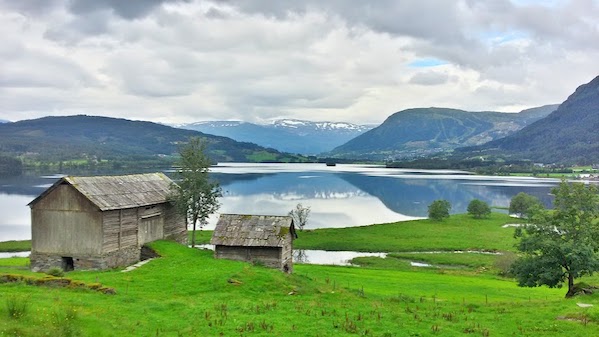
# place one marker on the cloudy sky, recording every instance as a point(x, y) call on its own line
point(252, 60)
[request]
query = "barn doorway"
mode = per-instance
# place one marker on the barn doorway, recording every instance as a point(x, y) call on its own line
point(67, 263)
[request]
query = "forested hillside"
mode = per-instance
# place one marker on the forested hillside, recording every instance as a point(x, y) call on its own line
point(424, 131)
point(569, 135)
point(76, 137)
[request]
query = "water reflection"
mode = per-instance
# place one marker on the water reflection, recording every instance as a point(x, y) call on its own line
point(338, 258)
point(309, 256)
point(340, 196)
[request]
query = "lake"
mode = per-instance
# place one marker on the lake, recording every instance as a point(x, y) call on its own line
point(338, 196)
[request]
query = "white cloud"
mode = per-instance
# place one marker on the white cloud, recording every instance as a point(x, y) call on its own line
point(185, 61)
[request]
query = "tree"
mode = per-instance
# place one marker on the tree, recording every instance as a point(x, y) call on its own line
point(439, 210)
point(479, 209)
point(300, 216)
point(561, 244)
point(524, 204)
point(196, 195)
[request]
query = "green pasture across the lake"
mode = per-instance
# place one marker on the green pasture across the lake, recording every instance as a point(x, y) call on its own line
point(459, 232)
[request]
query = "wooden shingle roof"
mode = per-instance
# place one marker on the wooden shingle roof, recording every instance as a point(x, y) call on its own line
point(119, 192)
point(252, 230)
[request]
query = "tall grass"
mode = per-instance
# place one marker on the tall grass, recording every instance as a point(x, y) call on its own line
point(17, 306)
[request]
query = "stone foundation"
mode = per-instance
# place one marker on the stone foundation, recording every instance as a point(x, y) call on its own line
point(119, 258)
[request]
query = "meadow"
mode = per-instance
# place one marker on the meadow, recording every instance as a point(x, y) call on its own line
point(186, 292)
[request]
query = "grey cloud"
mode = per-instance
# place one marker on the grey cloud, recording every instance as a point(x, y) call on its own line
point(429, 78)
point(27, 68)
point(79, 28)
point(430, 19)
point(128, 9)
point(31, 7)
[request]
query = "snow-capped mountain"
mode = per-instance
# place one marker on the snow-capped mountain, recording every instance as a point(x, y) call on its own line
point(324, 126)
point(288, 135)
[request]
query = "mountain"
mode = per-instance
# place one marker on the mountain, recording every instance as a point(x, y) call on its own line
point(569, 135)
point(288, 135)
point(4, 121)
point(75, 137)
point(424, 131)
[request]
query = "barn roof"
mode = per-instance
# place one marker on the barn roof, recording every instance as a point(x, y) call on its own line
point(252, 230)
point(118, 192)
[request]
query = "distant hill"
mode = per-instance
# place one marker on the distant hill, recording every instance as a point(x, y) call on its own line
point(424, 131)
point(73, 137)
point(4, 121)
point(569, 135)
point(288, 135)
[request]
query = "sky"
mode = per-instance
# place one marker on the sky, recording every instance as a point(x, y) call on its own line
point(255, 60)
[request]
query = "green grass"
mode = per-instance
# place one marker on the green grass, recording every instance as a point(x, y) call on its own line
point(202, 236)
point(15, 246)
point(188, 293)
point(459, 232)
point(14, 262)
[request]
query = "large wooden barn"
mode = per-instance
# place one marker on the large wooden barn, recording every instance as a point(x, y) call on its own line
point(101, 222)
point(255, 238)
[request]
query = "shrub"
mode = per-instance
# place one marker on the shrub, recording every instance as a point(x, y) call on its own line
point(504, 263)
point(55, 271)
point(439, 210)
point(479, 209)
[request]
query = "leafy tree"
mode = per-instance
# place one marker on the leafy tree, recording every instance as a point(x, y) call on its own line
point(195, 196)
point(439, 210)
point(478, 209)
point(561, 244)
point(523, 204)
point(300, 216)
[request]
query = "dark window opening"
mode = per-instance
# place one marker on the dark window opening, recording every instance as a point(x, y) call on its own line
point(67, 263)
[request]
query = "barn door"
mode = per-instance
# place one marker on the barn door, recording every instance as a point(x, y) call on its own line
point(151, 228)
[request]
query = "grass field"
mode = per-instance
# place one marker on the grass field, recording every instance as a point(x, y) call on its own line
point(459, 232)
point(15, 246)
point(188, 293)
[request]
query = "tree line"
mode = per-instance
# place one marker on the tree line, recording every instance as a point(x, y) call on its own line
point(556, 246)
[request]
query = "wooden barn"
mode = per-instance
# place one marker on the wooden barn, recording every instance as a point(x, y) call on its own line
point(101, 222)
point(255, 238)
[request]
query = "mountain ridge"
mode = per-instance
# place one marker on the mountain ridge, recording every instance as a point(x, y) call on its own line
point(567, 135)
point(288, 135)
point(420, 132)
point(71, 137)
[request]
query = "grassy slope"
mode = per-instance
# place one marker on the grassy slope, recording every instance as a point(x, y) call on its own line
point(186, 293)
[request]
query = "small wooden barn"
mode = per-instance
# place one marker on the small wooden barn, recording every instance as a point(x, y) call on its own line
point(255, 238)
point(101, 222)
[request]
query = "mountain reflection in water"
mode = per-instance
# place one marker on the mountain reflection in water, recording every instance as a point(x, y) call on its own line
point(340, 196)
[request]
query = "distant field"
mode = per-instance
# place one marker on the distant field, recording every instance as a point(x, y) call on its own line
point(15, 246)
point(459, 232)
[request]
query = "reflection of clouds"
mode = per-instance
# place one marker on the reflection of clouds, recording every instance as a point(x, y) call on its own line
point(14, 209)
point(347, 212)
point(12, 232)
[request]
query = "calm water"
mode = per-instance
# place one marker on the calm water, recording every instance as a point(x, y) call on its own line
point(340, 196)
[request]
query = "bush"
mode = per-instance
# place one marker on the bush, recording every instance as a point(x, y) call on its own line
point(504, 263)
point(479, 209)
point(439, 210)
point(55, 271)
